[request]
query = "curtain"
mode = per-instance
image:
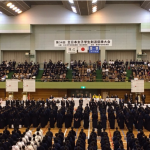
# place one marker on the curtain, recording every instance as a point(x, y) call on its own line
point(18, 56)
point(85, 56)
point(121, 55)
point(42, 56)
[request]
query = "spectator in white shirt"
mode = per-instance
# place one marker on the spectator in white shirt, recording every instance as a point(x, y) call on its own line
point(88, 70)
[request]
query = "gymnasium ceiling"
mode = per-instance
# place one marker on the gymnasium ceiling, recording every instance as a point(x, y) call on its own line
point(82, 7)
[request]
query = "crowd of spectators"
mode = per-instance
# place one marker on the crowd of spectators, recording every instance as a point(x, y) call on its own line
point(116, 71)
point(26, 70)
point(83, 71)
point(5, 68)
point(54, 72)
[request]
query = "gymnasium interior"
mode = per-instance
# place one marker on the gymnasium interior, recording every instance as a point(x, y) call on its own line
point(74, 75)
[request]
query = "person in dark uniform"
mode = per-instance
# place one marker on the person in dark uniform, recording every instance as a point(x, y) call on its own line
point(65, 96)
point(131, 97)
point(86, 96)
point(94, 119)
point(126, 98)
point(59, 119)
point(143, 97)
point(81, 101)
point(137, 99)
point(86, 119)
point(52, 119)
point(51, 97)
point(73, 96)
point(99, 128)
point(67, 103)
point(62, 102)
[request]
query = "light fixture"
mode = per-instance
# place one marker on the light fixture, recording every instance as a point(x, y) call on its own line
point(94, 9)
point(94, 1)
point(9, 4)
point(12, 6)
point(71, 1)
point(0, 12)
point(74, 9)
point(19, 12)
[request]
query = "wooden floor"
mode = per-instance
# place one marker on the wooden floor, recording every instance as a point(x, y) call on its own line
point(88, 131)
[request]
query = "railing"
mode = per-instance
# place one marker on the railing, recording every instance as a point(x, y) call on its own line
point(73, 80)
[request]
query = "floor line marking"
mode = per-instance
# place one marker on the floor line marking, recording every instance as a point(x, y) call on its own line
point(65, 132)
point(89, 130)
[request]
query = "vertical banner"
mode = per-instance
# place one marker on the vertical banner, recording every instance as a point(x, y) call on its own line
point(93, 49)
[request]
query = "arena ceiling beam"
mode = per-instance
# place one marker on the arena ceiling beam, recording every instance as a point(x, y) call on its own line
point(146, 4)
point(84, 7)
point(15, 7)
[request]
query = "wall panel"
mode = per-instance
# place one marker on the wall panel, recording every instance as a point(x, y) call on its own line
point(15, 42)
point(45, 36)
point(18, 56)
point(85, 56)
point(123, 36)
point(121, 55)
point(148, 55)
point(145, 40)
point(47, 55)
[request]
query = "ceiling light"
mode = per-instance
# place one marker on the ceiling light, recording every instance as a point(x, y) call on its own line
point(17, 10)
point(94, 1)
point(94, 9)
point(9, 4)
point(74, 9)
point(0, 12)
point(12, 6)
point(71, 1)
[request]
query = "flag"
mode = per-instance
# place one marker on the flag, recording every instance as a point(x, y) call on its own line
point(82, 49)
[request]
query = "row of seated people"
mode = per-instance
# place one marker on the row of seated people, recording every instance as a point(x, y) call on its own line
point(5, 68)
point(84, 64)
point(54, 72)
point(114, 71)
point(26, 70)
point(84, 74)
point(142, 72)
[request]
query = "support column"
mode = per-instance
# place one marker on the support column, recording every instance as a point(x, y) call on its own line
point(32, 45)
point(138, 41)
point(102, 48)
point(0, 51)
point(67, 37)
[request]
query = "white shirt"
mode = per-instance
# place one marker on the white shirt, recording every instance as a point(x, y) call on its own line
point(29, 134)
point(20, 144)
point(29, 147)
point(24, 140)
point(34, 145)
point(38, 137)
point(15, 147)
point(88, 70)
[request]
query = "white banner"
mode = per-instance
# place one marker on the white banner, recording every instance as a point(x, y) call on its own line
point(71, 49)
point(82, 49)
point(100, 42)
